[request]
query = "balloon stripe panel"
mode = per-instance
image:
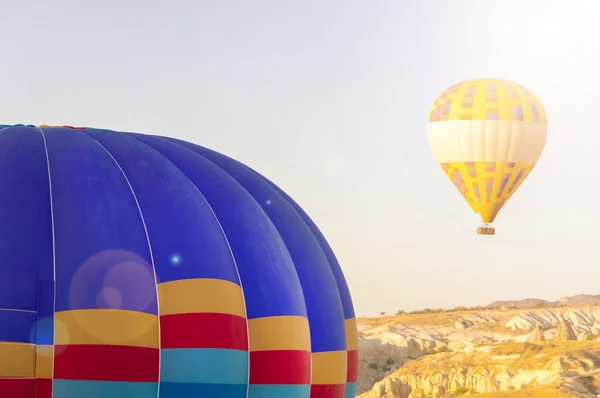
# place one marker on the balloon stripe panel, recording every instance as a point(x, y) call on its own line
point(43, 388)
point(279, 333)
point(201, 295)
point(204, 390)
point(199, 365)
point(262, 258)
point(280, 367)
point(17, 360)
point(351, 334)
point(103, 389)
point(278, 391)
point(280, 353)
point(350, 390)
point(352, 376)
point(186, 239)
point(329, 367)
point(328, 391)
point(106, 327)
point(44, 361)
point(17, 388)
point(106, 363)
point(203, 330)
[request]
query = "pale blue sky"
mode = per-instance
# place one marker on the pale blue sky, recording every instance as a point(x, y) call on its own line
point(330, 99)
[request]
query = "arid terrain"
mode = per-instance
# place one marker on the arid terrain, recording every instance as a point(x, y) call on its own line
point(525, 348)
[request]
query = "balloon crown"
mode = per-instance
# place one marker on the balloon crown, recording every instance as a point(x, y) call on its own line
point(45, 126)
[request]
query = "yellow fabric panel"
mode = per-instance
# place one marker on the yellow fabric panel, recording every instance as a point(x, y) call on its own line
point(486, 186)
point(487, 99)
point(44, 361)
point(329, 367)
point(106, 327)
point(201, 295)
point(17, 360)
point(504, 103)
point(527, 113)
point(479, 101)
point(279, 333)
point(456, 100)
point(351, 334)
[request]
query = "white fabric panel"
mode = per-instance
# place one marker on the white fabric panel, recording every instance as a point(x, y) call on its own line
point(486, 141)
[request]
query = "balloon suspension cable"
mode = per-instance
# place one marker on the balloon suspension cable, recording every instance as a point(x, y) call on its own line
point(486, 229)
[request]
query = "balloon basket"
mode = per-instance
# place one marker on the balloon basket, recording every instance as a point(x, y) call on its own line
point(486, 230)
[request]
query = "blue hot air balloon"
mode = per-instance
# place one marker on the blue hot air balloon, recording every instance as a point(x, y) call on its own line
point(138, 266)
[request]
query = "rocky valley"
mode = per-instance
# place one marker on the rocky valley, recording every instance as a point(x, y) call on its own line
point(507, 349)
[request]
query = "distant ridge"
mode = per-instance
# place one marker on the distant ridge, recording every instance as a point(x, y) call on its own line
point(580, 300)
point(523, 303)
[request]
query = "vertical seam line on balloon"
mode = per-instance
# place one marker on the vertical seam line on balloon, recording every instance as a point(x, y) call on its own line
point(236, 270)
point(53, 254)
point(226, 241)
point(151, 256)
point(269, 218)
point(276, 189)
point(239, 279)
point(305, 219)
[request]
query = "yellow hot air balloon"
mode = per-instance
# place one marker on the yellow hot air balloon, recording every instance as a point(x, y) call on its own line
point(487, 134)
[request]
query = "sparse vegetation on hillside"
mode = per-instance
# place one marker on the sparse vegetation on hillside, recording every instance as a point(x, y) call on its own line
point(462, 391)
point(425, 311)
point(438, 350)
point(384, 367)
point(565, 302)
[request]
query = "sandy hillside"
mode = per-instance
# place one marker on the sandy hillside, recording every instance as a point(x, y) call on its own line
point(495, 352)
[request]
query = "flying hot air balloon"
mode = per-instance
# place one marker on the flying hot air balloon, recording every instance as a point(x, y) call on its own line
point(487, 134)
point(138, 266)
